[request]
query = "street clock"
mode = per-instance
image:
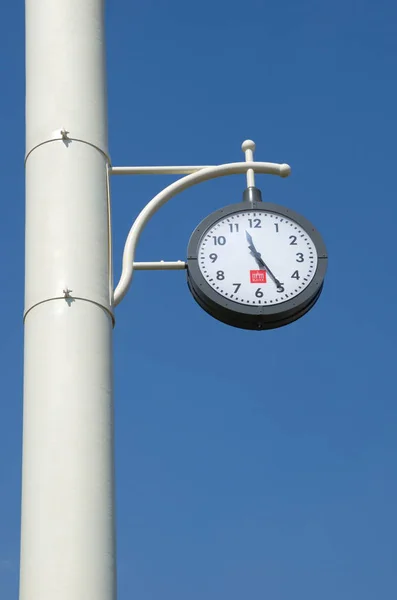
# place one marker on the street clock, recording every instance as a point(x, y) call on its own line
point(256, 265)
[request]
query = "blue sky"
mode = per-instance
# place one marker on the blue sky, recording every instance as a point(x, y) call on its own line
point(249, 464)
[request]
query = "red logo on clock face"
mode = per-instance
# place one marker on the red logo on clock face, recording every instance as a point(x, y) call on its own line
point(258, 276)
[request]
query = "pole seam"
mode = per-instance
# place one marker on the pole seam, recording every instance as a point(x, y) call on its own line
point(69, 299)
point(67, 140)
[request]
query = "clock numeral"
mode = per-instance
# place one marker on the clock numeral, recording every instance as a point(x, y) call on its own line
point(293, 238)
point(300, 257)
point(280, 288)
point(220, 240)
point(220, 275)
point(255, 223)
point(259, 293)
point(213, 257)
point(295, 275)
point(238, 286)
point(233, 227)
point(276, 226)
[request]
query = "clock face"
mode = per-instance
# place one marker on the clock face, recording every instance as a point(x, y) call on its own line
point(256, 265)
point(257, 258)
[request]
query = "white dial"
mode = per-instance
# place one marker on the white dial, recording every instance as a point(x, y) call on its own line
point(257, 257)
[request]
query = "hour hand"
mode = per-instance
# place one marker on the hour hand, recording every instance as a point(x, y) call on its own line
point(250, 241)
point(249, 238)
point(254, 252)
point(251, 246)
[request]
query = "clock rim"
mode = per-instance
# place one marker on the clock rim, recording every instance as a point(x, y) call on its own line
point(227, 310)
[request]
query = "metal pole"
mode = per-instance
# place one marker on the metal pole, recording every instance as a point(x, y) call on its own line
point(68, 532)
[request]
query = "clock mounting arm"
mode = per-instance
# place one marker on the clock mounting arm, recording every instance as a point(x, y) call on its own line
point(194, 176)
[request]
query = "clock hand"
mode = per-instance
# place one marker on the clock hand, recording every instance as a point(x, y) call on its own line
point(264, 266)
point(253, 250)
point(258, 257)
point(250, 240)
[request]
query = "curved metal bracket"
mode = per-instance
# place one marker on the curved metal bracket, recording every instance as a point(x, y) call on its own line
point(205, 174)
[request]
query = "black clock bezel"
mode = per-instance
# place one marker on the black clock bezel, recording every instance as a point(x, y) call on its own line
point(254, 317)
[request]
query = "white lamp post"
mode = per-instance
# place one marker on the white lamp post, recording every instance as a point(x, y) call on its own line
point(68, 533)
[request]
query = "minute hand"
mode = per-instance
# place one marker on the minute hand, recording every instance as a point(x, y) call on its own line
point(254, 252)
